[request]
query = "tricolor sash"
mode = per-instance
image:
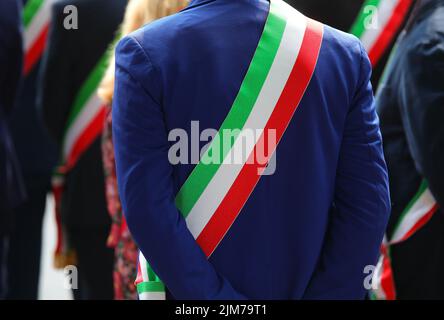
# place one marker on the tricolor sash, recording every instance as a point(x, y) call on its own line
point(214, 194)
point(36, 18)
point(87, 117)
point(378, 23)
point(85, 124)
point(418, 212)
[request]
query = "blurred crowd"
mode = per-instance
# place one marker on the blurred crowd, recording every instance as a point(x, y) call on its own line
point(56, 91)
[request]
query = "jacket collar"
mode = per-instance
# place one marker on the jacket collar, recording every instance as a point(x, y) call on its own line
point(194, 3)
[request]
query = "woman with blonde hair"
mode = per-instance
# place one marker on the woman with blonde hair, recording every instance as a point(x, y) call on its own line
point(138, 13)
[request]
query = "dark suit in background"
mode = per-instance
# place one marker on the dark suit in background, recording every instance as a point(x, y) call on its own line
point(37, 157)
point(71, 56)
point(411, 109)
point(12, 191)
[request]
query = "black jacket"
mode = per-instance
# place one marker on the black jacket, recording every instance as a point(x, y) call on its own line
point(70, 57)
point(11, 187)
point(35, 150)
point(411, 109)
point(339, 14)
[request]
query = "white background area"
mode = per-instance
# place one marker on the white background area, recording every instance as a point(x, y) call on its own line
point(52, 281)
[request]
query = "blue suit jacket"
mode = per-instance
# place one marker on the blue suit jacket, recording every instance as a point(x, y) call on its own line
point(309, 230)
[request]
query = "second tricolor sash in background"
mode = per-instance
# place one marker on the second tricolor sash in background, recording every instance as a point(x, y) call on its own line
point(214, 194)
point(415, 216)
point(84, 125)
point(36, 18)
point(378, 23)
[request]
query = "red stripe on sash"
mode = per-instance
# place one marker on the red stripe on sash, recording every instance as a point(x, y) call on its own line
point(139, 278)
point(387, 280)
point(91, 132)
point(289, 101)
point(389, 32)
point(34, 53)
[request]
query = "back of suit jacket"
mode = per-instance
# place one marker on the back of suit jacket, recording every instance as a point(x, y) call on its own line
point(307, 231)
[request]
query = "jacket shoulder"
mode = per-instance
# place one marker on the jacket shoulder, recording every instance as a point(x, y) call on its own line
point(342, 43)
point(344, 57)
point(164, 30)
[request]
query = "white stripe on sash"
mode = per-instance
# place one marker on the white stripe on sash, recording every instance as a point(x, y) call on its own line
point(152, 296)
point(143, 267)
point(37, 24)
point(422, 207)
point(91, 109)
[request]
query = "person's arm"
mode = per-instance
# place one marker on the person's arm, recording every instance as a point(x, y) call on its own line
point(422, 109)
point(55, 91)
point(146, 184)
point(361, 202)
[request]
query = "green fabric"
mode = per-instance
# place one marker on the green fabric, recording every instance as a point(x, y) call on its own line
point(154, 286)
point(358, 28)
point(31, 8)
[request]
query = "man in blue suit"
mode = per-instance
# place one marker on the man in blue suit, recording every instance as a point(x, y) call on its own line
point(11, 185)
point(309, 229)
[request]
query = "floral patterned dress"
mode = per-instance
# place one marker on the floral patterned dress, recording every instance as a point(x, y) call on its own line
point(126, 252)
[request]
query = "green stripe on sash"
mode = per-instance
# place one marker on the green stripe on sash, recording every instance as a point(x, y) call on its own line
point(31, 8)
point(358, 29)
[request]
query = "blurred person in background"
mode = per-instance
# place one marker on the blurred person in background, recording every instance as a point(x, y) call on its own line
point(411, 108)
point(37, 156)
point(138, 13)
point(74, 62)
point(12, 191)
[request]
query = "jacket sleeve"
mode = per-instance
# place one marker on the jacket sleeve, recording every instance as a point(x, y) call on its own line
point(146, 184)
point(422, 109)
point(55, 91)
point(361, 202)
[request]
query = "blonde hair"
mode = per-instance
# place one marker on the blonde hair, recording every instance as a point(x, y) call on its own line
point(138, 13)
